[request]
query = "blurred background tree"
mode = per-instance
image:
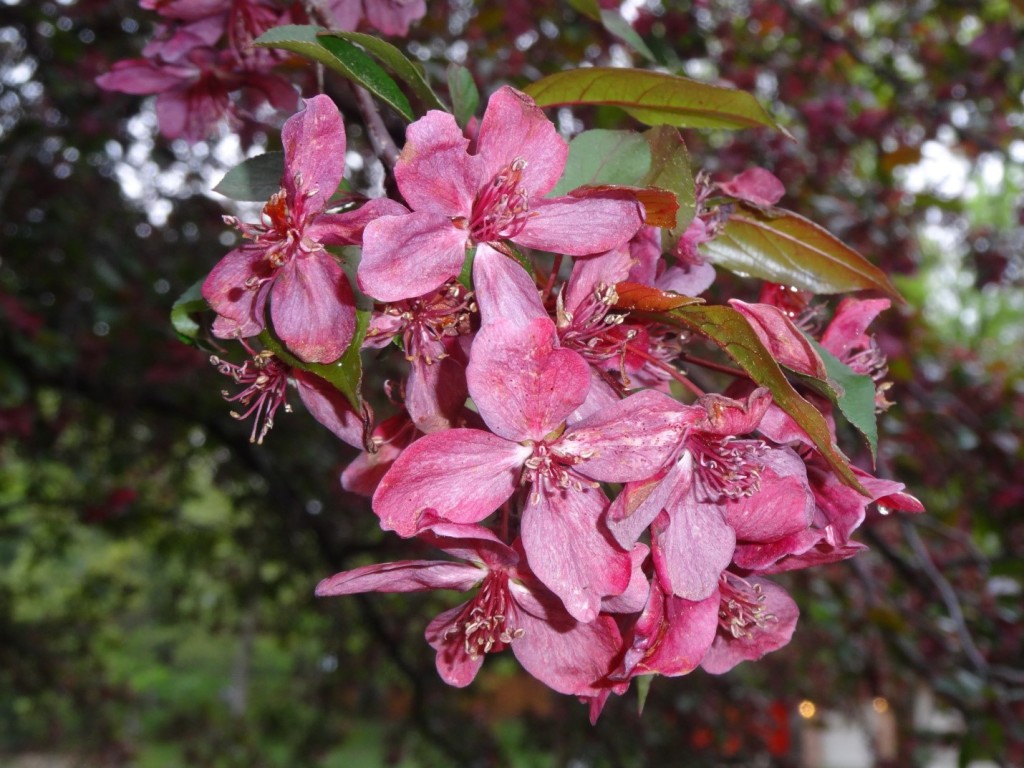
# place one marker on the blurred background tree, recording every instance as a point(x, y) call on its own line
point(156, 569)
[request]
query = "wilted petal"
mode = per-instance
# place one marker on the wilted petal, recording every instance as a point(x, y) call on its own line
point(313, 309)
point(849, 324)
point(404, 576)
point(634, 598)
point(524, 386)
point(782, 338)
point(464, 474)
point(672, 635)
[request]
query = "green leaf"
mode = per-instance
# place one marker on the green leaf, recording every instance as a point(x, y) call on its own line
point(643, 687)
point(729, 330)
point(397, 62)
point(189, 303)
point(605, 157)
point(341, 56)
point(653, 98)
point(853, 393)
point(620, 28)
point(465, 96)
point(588, 8)
point(785, 248)
point(257, 178)
point(670, 169)
point(345, 374)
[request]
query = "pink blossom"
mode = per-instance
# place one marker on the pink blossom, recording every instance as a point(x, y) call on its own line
point(509, 609)
point(524, 388)
point(390, 17)
point(755, 186)
point(265, 379)
point(431, 329)
point(494, 193)
point(286, 262)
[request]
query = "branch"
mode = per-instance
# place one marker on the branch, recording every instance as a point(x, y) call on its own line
point(383, 145)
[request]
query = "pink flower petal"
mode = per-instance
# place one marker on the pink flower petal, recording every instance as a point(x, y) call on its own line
point(608, 269)
point(849, 324)
point(692, 542)
point(393, 17)
point(503, 289)
point(727, 651)
point(435, 173)
point(328, 406)
point(313, 309)
point(672, 635)
point(755, 185)
point(224, 288)
point(515, 127)
point(464, 474)
point(637, 505)
point(455, 666)
point(522, 384)
point(629, 441)
point(314, 155)
point(784, 505)
point(782, 338)
point(568, 550)
point(579, 226)
point(404, 576)
point(408, 256)
point(347, 228)
point(567, 656)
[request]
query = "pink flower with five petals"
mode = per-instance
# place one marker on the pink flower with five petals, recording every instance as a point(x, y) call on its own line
point(494, 193)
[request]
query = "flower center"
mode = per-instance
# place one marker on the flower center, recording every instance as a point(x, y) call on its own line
point(278, 234)
point(266, 383)
point(501, 208)
point(726, 467)
point(548, 471)
point(426, 322)
point(485, 623)
point(742, 609)
point(591, 330)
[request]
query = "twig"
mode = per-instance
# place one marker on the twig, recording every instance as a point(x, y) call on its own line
point(383, 145)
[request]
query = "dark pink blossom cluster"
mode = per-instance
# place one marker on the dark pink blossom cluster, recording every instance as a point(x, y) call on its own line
point(602, 525)
point(204, 69)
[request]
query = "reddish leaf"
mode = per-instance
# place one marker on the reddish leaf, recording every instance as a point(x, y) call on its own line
point(643, 298)
point(660, 205)
point(785, 248)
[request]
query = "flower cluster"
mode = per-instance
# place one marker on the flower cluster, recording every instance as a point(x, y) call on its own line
point(202, 64)
point(606, 517)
